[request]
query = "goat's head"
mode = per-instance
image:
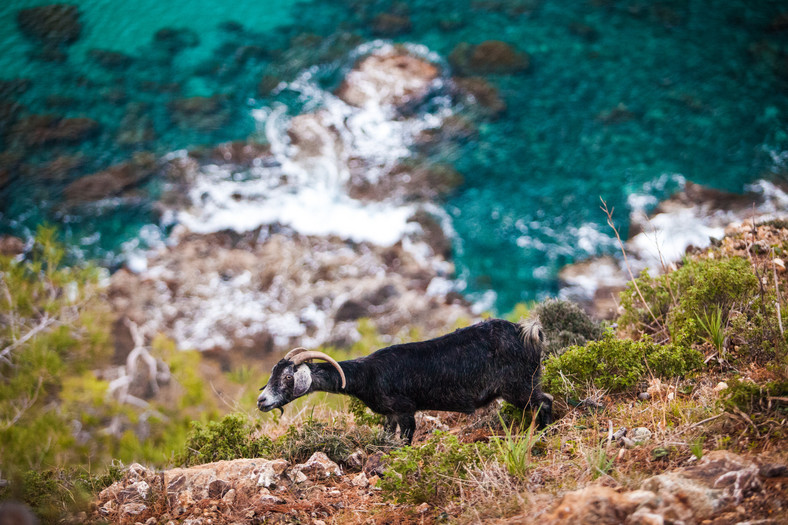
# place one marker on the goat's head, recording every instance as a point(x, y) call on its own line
point(291, 379)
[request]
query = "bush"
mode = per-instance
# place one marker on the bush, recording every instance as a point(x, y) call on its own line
point(725, 290)
point(363, 415)
point(429, 473)
point(235, 436)
point(566, 324)
point(616, 365)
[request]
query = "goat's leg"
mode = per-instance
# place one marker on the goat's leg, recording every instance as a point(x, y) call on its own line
point(391, 423)
point(407, 426)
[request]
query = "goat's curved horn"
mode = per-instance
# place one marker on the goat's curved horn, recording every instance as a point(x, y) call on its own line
point(300, 357)
point(295, 351)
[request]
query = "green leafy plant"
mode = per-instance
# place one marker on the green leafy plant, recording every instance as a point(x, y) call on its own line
point(429, 473)
point(616, 365)
point(363, 415)
point(696, 447)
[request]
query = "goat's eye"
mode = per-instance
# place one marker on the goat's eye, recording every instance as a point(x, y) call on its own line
point(289, 377)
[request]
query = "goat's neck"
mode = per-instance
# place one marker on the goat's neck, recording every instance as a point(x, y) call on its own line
point(325, 378)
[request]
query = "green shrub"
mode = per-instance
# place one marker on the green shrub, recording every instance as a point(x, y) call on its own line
point(337, 440)
point(232, 437)
point(616, 365)
point(429, 473)
point(566, 324)
point(696, 303)
point(235, 436)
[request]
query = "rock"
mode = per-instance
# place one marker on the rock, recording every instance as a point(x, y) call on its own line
point(267, 84)
point(175, 39)
point(480, 91)
point(360, 480)
point(229, 497)
point(136, 126)
point(374, 465)
point(388, 25)
point(408, 181)
point(779, 265)
point(132, 509)
point(200, 113)
point(356, 460)
point(270, 472)
point(722, 385)
point(296, 476)
point(58, 169)
point(318, 466)
point(644, 396)
point(488, 57)
point(112, 181)
point(773, 471)
point(43, 130)
point(10, 245)
point(616, 115)
point(267, 497)
point(56, 24)
point(218, 488)
point(640, 435)
point(137, 472)
point(112, 60)
point(388, 78)
point(239, 153)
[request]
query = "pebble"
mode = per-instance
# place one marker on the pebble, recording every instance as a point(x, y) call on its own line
point(644, 396)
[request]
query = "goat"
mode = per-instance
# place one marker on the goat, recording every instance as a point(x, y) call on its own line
point(457, 372)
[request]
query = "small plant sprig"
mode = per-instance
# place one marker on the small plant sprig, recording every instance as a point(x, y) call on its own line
point(712, 323)
point(598, 461)
point(515, 450)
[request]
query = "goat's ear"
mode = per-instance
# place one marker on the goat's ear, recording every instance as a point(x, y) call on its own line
point(302, 380)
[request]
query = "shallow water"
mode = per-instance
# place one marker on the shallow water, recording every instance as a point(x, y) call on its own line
point(623, 98)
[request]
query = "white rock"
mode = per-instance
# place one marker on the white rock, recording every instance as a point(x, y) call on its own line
point(640, 435)
point(360, 480)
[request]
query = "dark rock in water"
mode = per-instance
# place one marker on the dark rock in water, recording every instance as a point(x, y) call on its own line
point(109, 59)
point(408, 182)
point(112, 181)
point(42, 130)
point(136, 126)
point(240, 153)
point(60, 101)
point(10, 245)
point(14, 87)
point(454, 127)
point(200, 113)
point(584, 31)
point(8, 115)
point(175, 39)
point(56, 24)
point(388, 24)
point(483, 93)
point(9, 162)
point(231, 26)
point(617, 115)
point(489, 57)
point(267, 84)
point(56, 170)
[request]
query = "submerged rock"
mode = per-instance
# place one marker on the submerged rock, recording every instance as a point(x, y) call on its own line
point(389, 24)
point(483, 93)
point(200, 113)
point(112, 181)
point(175, 39)
point(51, 24)
point(44, 130)
point(488, 57)
point(109, 59)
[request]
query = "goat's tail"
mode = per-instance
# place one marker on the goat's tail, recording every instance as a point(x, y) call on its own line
point(531, 332)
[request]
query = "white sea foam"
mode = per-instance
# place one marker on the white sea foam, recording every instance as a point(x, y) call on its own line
point(307, 189)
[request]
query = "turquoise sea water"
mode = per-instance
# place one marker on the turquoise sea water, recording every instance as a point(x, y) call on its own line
point(622, 96)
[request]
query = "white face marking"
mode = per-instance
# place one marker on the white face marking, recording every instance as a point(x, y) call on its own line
point(302, 380)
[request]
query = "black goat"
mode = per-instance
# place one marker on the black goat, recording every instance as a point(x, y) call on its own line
point(458, 372)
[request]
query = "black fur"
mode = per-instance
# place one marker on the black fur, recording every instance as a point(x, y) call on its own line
point(457, 372)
